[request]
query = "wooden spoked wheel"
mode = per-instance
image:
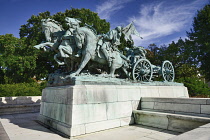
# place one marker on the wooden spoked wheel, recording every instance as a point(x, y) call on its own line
point(168, 71)
point(142, 71)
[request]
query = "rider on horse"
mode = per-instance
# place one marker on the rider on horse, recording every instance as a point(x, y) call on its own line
point(68, 39)
point(110, 40)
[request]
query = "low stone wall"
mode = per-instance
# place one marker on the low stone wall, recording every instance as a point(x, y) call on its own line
point(80, 109)
point(199, 106)
point(175, 114)
point(21, 104)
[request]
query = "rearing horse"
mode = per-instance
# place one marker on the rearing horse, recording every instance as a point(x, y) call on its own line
point(87, 40)
point(53, 33)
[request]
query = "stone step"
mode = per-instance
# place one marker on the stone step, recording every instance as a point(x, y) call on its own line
point(177, 100)
point(19, 108)
point(169, 121)
point(20, 100)
point(177, 105)
point(19, 104)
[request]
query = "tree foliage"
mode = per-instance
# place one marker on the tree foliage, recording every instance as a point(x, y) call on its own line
point(199, 36)
point(17, 61)
point(178, 53)
point(186, 70)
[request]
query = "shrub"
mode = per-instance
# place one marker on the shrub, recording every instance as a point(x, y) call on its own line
point(196, 86)
point(21, 89)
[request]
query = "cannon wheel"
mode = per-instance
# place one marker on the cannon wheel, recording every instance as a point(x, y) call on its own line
point(168, 71)
point(142, 70)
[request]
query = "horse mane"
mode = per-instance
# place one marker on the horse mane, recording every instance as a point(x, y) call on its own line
point(89, 29)
point(58, 24)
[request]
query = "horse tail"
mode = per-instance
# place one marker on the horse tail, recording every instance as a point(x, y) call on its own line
point(58, 61)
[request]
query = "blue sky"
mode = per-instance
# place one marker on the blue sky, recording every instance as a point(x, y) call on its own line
point(158, 21)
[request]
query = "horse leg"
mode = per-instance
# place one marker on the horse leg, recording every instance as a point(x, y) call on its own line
point(72, 65)
point(116, 63)
point(68, 63)
point(126, 72)
point(112, 71)
point(84, 62)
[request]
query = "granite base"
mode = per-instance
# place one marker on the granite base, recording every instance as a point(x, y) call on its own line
point(80, 109)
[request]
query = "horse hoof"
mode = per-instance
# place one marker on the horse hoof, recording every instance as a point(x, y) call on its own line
point(112, 76)
point(73, 75)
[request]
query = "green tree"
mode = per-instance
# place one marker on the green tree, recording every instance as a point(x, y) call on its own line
point(178, 53)
point(153, 54)
point(17, 61)
point(32, 32)
point(199, 40)
point(186, 70)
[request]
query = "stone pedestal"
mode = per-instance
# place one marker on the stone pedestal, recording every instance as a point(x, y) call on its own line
point(80, 109)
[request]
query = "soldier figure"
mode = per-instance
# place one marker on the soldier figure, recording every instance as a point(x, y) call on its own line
point(68, 39)
point(110, 39)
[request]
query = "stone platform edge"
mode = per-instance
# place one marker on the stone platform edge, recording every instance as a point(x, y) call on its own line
point(100, 80)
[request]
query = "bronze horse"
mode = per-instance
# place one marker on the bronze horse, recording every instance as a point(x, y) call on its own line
point(87, 40)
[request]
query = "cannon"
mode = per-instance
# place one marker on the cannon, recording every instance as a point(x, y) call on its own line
point(143, 71)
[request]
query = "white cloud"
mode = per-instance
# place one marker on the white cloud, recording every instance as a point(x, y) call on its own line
point(108, 8)
point(156, 20)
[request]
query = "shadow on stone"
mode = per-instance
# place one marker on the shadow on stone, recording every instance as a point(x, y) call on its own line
point(24, 121)
point(21, 111)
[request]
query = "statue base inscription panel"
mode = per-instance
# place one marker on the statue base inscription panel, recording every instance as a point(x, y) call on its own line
point(80, 109)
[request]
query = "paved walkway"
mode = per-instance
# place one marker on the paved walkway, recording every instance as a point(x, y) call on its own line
point(25, 127)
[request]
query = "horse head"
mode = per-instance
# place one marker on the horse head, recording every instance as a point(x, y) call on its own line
point(49, 27)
